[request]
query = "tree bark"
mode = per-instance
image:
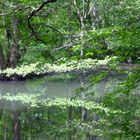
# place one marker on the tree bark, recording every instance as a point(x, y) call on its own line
point(69, 9)
point(95, 23)
point(4, 25)
point(82, 26)
point(14, 42)
point(2, 59)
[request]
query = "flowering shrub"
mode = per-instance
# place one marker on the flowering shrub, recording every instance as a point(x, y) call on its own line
point(69, 66)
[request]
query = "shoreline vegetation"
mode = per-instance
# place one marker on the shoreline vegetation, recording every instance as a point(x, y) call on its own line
point(30, 71)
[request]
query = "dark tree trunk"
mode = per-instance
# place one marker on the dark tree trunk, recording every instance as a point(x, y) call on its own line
point(69, 9)
point(2, 59)
point(14, 42)
point(5, 29)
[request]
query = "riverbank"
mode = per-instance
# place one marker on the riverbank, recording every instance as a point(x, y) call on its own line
point(24, 72)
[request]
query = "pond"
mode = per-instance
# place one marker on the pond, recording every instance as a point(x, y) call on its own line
point(25, 115)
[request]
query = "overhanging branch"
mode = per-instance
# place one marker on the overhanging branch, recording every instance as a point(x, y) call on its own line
point(33, 13)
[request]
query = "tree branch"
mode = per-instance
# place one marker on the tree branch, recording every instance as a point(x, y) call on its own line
point(64, 46)
point(33, 13)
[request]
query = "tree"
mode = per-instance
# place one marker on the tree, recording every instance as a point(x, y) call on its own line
point(15, 23)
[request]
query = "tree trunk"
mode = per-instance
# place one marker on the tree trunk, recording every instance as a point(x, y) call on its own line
point(6, 43)
point(95, 23)
point(82, 26)
point(14, 42)
point(2, 59)
point(69, 9)
point(4, 25)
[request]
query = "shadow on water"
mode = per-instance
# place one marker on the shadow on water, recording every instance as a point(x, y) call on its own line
point(40, 109)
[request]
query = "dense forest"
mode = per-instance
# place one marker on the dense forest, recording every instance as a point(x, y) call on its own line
point(51, 30)
point(70, 39)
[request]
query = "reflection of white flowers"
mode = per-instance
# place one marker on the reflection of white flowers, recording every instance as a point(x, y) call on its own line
point(23, 98)
point(32, 100)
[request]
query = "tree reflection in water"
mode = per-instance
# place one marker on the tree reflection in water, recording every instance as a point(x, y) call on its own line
point(83, 117)
point(61, 119)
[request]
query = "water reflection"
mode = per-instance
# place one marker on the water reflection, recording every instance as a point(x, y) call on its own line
point(57, 88)
point(23, 116)
point(63, 122)
point(46, 123)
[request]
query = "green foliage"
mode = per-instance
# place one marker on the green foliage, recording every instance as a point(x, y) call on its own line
point(126, 98)
point(111, 34)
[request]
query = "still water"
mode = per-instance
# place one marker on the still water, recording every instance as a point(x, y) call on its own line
point(20, 121)
point(57, 87)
